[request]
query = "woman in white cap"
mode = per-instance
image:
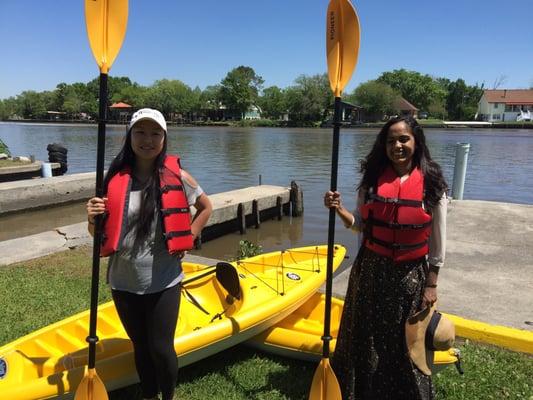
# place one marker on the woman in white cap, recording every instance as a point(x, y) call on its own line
point(147, 229)
point(401, 212)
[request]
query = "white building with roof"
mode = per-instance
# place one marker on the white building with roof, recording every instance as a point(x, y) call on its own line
point(505, 105)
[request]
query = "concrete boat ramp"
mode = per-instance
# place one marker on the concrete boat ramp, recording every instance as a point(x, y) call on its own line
point(488, 274)
point(232, 211)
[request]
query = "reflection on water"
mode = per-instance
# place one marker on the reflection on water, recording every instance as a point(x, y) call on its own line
point(30, 222)
point(500, 165)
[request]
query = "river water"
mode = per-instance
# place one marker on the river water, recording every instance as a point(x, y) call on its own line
point(500, 168)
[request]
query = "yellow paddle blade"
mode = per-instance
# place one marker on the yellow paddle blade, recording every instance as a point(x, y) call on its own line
point(106, 22)
point(342, 43)
point(325, 385)
point(91, 387)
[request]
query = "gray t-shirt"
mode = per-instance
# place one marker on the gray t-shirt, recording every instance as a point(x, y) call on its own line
point(146, 267)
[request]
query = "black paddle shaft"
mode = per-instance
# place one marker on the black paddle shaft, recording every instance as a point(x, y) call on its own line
point(331, 228)
point(92, 339)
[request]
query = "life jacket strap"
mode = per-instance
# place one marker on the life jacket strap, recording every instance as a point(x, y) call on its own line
point(398, 246)
point(174, 234)
point(168, 211)
point(395, 225)
point(395, 200)
point(168, 188)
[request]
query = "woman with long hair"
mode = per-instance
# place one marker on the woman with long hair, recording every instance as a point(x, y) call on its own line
point(147, 229)
point(401, 212)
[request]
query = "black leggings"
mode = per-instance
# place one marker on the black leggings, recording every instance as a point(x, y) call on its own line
point(150, 322)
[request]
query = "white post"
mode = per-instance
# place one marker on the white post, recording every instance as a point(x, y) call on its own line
point(459, 171)
point(46, 170)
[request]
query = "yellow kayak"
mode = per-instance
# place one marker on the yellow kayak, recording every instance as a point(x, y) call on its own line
point(299, 335)
point(51, 361)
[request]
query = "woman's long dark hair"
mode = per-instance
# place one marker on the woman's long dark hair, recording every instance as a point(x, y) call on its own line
point(377, 161)
point(150, 199)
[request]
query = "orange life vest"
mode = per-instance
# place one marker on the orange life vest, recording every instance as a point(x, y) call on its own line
point(395, 223)
point(175, 211)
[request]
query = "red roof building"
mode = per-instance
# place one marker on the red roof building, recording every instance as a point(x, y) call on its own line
point(405, 108)
point(120, 112)
point(505, 104)
point(120, 105)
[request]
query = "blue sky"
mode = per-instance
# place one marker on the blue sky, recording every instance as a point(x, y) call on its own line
point(198, 42)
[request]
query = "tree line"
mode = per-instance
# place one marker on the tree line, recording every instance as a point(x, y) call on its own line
point(307, 101)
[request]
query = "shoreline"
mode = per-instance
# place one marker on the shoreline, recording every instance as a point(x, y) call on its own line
point(283, 124)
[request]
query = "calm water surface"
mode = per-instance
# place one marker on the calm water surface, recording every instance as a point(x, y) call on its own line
point(500, 166)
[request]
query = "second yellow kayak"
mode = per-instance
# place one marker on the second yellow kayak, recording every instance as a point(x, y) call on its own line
point(299, 335)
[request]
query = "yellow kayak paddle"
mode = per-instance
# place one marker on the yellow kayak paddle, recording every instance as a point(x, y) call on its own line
point(106, 22)
point(342, 46)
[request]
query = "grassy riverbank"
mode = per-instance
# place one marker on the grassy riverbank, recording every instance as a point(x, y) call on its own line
point(269, 123)
point(36, 293)
point(12, 163)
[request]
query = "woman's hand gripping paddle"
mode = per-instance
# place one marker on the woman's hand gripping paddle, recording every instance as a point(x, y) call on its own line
point(342, 46)
point(106, 22)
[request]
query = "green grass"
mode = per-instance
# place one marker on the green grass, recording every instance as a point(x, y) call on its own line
point(36, 293)
point(517, 123)
point(490, 373)
point(11, 163)
point(430, 121)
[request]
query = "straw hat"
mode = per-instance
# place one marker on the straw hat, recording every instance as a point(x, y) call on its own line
point(425, 332)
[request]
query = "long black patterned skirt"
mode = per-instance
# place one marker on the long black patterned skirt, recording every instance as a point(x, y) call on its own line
point(371, 359)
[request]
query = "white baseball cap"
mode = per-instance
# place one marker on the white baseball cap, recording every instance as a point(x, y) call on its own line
point(148, 114)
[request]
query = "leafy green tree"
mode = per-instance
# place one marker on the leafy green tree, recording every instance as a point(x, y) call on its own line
point(462, 100)
point(210, 98)
point(273, 103)
point(376, 98)
point(420, 90)
point(114, 85)
point(31, 105)
point(240, 89)
point(170, 96)
point(60, 93)
point(73, 104)
point(294, 98)
point(3, 110)
point(196, 103)
point(8, 108)
point(135, 95)
point(437, 109)
point(455, 101)
point(78, 99)
point(309, 99)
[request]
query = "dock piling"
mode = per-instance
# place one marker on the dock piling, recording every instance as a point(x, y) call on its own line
point(241, 219)
point(256, 214)
point(459, 171)
point(296, 200)
point(279, 207)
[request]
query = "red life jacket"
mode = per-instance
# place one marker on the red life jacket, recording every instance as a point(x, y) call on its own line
point(395, 224)
point(174, 209)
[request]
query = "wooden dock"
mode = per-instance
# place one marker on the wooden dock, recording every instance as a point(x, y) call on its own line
point(233, 211)
point(27, 171)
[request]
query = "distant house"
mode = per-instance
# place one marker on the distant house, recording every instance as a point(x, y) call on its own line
point(400, 107)
point(120, 112)
point(405, 108)
point(350, 114)
point(504, 105)
point(55, 115)
point(254, 112)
